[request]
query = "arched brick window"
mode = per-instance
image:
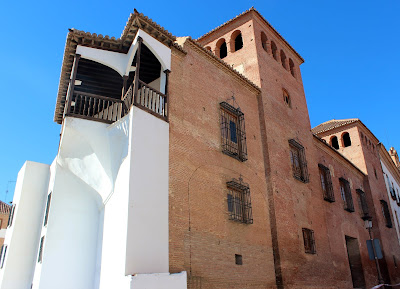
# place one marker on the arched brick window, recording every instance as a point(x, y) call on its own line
point(286, 98)
point(264, 41)
point(274, 50)
point(335, 142)
point(346, 141)
point(291, 67)
point(236, 41)
point(222, 50)
point(283, 59)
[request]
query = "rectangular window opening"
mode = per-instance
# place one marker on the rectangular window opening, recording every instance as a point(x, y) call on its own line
point(233, 134)
point(363, 204)
point(298, 160)
point(239, 203)
point(11, 216)
point(345, 193)
point(238, 259)
point(46, 216)
point(309, 241)
point(386, 214)
point(326, 183)
point(3, 255)
point(40, 256)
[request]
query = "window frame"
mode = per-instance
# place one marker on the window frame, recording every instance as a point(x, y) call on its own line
point(3, 255)
point(46, 215)
point(309, 241)
point(299, 169)
point(386, 214)
point(11, 216)
point(363, 205)
point(345, 193)
point(239, 201)
point(326, 181)
point(233, 146)
point(40, 254)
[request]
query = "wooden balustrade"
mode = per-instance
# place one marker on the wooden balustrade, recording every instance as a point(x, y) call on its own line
point(107, 109)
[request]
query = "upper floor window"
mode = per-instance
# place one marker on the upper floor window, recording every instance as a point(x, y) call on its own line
point(309, 241)
point(222, 49)
point(236, 41)
point(386, 213)
point(283, 59)
point(11, 216)
point(286, 98)
point(291, 67)
point(46, 215)
point(264, 41)
point(346, 139)
point(334, 142)
point(274, 50)
point(326, 183)
point(239, 203)
point(363, 204)
point(40, 255)
point(233, 134)
point(345, 193)
point(298, 160)
point(3, 255)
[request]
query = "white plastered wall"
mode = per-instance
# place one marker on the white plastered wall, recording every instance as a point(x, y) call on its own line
point(395, 209)
point(23, 236)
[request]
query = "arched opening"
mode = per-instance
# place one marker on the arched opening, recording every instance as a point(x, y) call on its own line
point(96, 78)
point(346, 139)
point(274, 50)
point(291, 67)
point(264, 41)
point(283, 59)
point(236, 41)
point(208, 48)
point(222, 49)
point(335, 142)
point(286, 98)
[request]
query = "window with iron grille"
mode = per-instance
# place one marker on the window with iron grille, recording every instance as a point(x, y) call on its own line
point(40, 255)
point(3, 255)
point(386, 214)
point(363, 204)
point(326, 183)
point(11, 216)
point(298, 159)
point(309, 242)
point(233, 133)
point(239, 203)
point(345, 193)
point(46, 216)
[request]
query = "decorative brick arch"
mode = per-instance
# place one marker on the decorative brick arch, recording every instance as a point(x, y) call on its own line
point(236, 41)
point(221, 50)
point(264, 42)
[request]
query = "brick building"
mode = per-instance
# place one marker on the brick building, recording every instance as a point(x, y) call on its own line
point(4, 215)
point(193, 161)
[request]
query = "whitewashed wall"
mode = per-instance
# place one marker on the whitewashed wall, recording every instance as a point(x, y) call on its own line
point(23, 236)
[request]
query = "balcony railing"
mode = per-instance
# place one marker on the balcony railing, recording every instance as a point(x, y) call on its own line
point(108, 110)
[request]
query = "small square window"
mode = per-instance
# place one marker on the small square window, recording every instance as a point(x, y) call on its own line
point(238, 259)
point(309, 241)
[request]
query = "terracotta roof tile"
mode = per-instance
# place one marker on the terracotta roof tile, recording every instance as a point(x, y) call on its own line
point(332, 124)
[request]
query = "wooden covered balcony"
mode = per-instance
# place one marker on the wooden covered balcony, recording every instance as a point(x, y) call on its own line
point(97, 92)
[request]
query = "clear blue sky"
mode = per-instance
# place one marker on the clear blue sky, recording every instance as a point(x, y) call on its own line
point(351, 52)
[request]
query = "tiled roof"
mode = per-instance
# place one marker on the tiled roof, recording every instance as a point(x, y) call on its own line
point(252, 9)
point(331, 124)
point(4, 208)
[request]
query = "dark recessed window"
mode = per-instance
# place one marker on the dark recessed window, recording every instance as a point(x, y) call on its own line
point(274, 50)
point(309, 241)
point(3, 255)
point(239, 202)
point(264, 41)
point(363, 204)
point(291, 67)
point(386, 214)
point(40, 256)
point(11, 216)
point(283, 59)
point(286, 98)
point(335, 142)
point(298, 160)
point(46, 216)
point(233, 134)
point(326, 183)
point(345, 193)
point(238, 42)
point(238, 259)
point(346, 139)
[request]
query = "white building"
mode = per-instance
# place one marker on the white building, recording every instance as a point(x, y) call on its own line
point(391, 175)
point(97, 217)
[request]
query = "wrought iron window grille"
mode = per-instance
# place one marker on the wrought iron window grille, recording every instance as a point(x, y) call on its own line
point(233, 135)
point(309, 241)
point(326, 183)
point(345, 192)
point(298, 160)
point(239, 202)
point(386, 214)
point(363, 204)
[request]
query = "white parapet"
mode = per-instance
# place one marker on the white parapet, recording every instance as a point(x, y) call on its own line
point(159, 281)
